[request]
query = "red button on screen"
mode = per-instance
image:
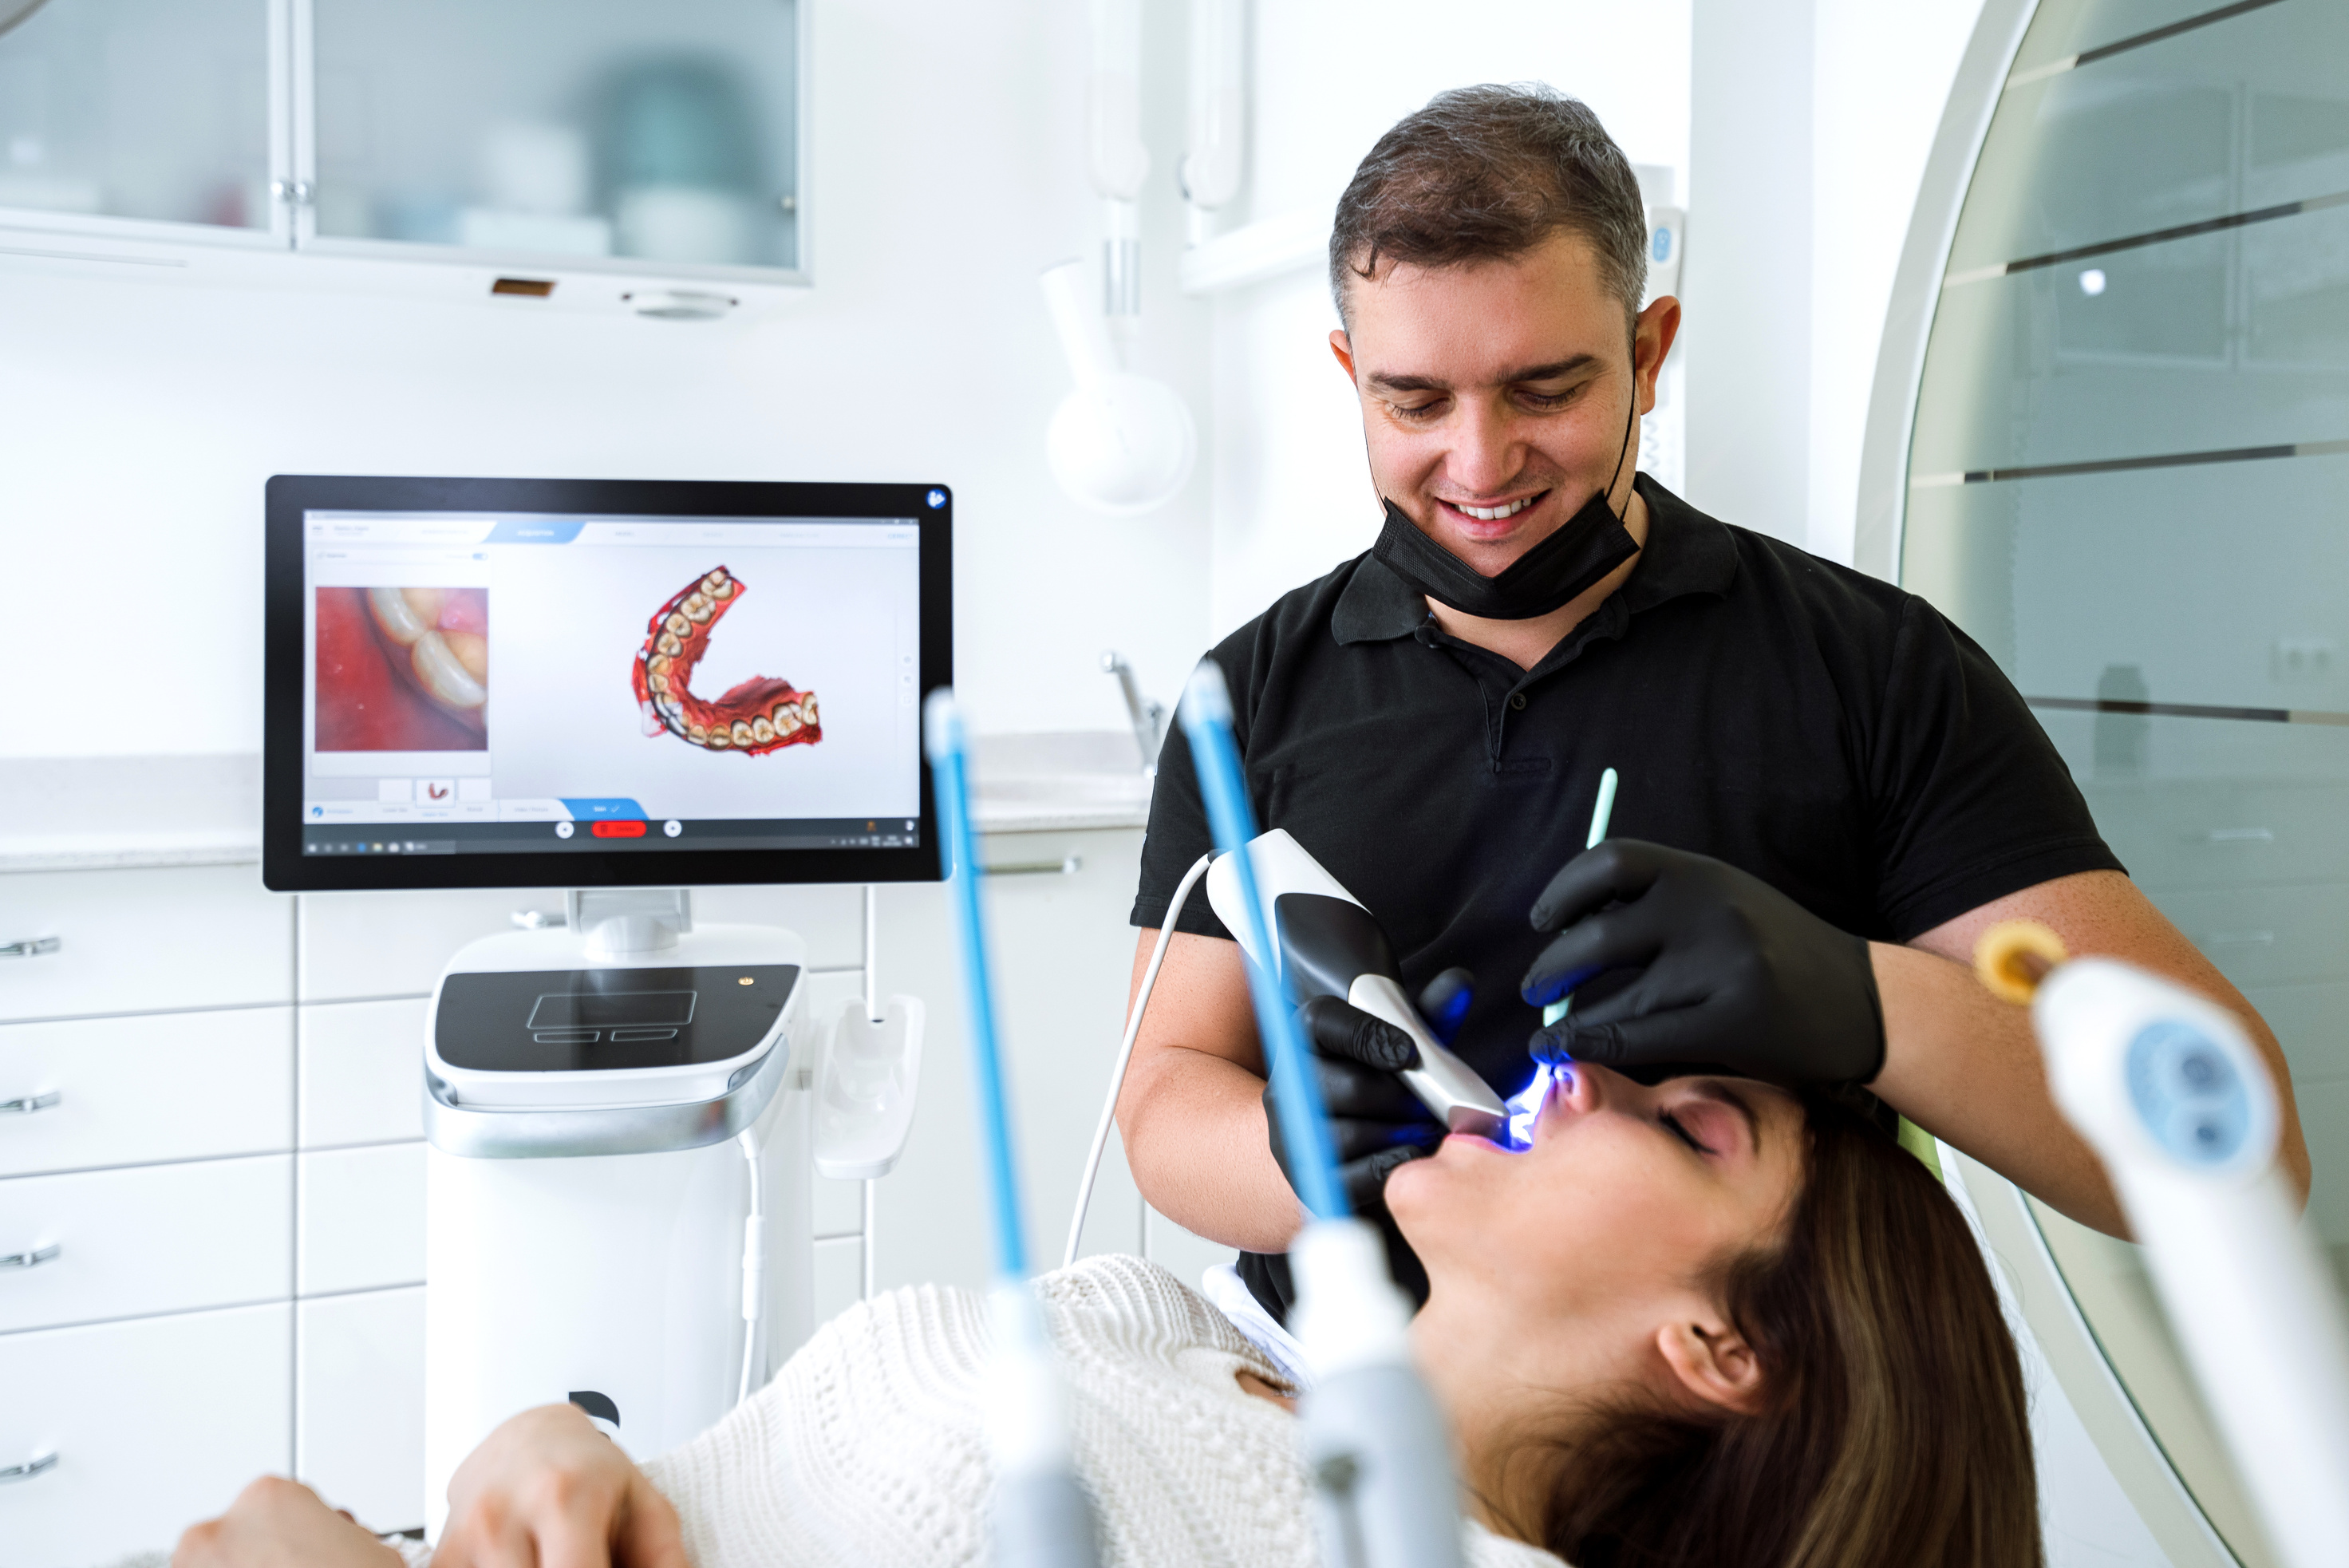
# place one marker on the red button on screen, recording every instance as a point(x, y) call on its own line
point(617, 829)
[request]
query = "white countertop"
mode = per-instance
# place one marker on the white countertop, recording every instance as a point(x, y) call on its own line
point(90, 814)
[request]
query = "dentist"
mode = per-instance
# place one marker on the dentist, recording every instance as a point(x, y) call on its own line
point(1827, 790)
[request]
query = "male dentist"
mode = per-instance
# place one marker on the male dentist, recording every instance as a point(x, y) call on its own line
point(1827, 790)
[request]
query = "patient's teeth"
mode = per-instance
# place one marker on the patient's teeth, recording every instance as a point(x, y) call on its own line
point(719, 739)
point(658, 665)
point(397, 616)
point(761, 731)
point(807, 708)
point(677, 624)
point(443, 675)
point(787, 718)
point(722, 591)
point(714, 581)
point(657, 682)
point(668, 644)
point(698, 734)
point(741, 732)
point(697, 607)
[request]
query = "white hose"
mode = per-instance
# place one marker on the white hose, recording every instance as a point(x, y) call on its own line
point(1125, 1054)
point(754, 1262)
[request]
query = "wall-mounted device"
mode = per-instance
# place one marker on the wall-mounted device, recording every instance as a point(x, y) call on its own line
point(624, 688)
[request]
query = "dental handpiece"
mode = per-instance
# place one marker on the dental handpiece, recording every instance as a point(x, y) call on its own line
point(1330, 945)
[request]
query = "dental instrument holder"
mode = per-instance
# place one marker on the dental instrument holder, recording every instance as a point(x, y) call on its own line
point(1039, 1515)
point(586, 1207)
point(1330, 945)
point(2168, 1090)
point(1374, 1442)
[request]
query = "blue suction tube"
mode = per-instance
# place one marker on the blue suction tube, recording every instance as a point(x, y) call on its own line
point(1206, 715)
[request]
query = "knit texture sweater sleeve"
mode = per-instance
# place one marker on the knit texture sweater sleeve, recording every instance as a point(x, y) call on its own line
point(869, 1449)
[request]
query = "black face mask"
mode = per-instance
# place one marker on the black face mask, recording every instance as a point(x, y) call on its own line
point(1591, 544)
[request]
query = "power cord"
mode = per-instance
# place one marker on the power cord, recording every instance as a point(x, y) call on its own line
point(1125, 1054)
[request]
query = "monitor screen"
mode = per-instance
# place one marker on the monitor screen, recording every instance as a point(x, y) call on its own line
point(584, 683)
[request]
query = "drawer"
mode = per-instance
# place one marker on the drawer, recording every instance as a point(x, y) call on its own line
point(159, 1238)
point(144, 941)
point(2266, 935)
point(155, 1424)
point(362, 1072)
point(362, 1218)
point(154, 1086)
point(395, 944)
point(357, 945)
point(358, 1405)
point(2218, 833)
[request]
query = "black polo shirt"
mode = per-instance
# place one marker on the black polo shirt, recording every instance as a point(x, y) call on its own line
point(1821, 729)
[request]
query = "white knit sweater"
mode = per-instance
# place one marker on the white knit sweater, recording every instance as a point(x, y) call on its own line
point(868, 1449)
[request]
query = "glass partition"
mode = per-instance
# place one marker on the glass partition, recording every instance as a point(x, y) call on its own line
point(156, 109)
point(2128, 479)
point(561, 128)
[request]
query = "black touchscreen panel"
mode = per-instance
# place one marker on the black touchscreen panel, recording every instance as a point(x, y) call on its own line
point(600, 1020)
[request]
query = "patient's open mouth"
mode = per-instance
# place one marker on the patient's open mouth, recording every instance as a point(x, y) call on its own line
point(761, 714)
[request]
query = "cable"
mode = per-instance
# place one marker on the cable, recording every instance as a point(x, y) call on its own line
point(1125, 1054)
point(754, 1260)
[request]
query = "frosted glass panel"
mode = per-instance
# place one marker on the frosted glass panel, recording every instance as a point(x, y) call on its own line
point(562, 128)
point(138, 109)
point(2129, 480)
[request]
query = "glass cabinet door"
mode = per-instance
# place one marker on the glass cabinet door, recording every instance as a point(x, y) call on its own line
point(153, 109)
point(2129, 481)
point(563, 128)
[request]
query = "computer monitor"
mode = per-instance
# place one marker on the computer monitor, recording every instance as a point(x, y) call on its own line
point(520, 682)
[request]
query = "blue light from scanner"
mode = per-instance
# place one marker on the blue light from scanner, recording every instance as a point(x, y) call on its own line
point(1525, 1105)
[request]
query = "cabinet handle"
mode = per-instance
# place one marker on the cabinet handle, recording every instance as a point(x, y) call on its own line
point(30, 947)
point(45, 1461)
point(26, 1105)
point(31, 1259)
point(1067, 865)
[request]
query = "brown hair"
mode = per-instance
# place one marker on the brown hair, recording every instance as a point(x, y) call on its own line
point(1895, 1428)
point(1484, 174)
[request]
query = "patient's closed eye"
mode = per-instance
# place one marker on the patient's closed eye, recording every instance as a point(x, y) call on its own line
point(1678, 1129)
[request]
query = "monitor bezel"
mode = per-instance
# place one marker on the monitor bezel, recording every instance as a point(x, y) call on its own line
point(284, 868)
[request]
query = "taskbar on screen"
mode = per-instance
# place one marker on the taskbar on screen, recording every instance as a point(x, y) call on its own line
point(605, 836)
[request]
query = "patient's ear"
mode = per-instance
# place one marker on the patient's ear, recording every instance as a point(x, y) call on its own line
point(1714, 1363)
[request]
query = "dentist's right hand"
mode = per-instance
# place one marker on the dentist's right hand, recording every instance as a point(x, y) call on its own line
point(547, 1489)
point(1375, 1123)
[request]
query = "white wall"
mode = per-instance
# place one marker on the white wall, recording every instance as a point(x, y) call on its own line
point(1811, 123)
point(139, 420)
point(1292, 495)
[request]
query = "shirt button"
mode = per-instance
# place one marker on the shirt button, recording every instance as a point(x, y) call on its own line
point(1518, 701)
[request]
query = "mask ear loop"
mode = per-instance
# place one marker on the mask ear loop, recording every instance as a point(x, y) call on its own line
point(1630, 419)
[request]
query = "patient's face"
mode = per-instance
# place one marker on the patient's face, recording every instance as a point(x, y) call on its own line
point(1626, 1196)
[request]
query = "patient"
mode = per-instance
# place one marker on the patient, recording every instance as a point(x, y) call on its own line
point(1706, 1322)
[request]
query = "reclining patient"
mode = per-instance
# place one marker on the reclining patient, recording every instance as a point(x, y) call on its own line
point(1704, 1323)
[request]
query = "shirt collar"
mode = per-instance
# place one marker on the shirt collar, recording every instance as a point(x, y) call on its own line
point(1687, 553)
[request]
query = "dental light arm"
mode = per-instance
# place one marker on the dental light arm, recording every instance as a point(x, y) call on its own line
point(1329, 945)
point(1374, 1442)
point(1041, 1516)
point(2168, 1090)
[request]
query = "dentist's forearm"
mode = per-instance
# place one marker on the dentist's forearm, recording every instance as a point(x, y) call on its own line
point(1195, 1140)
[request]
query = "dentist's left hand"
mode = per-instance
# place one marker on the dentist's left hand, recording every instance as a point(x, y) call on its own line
point(547, 1489)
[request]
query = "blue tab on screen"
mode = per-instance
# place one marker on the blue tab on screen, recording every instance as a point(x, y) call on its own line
point(619, 808)
point(535, 531)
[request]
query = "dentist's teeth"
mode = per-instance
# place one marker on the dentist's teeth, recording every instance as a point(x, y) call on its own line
point(1494, 514)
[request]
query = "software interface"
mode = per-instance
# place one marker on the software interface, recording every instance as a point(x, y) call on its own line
point(498, 683)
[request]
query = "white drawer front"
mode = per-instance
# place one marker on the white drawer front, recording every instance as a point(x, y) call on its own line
point(395, 944)
point(362, 1218)
point(154, 1086)
point(155, 1424)
point(358, 1403)
point(362, 1072)
point(143, 942)
point(156, 1237)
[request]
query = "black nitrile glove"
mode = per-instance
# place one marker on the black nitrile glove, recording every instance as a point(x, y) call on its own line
point(1375, 1122)
point(1731, 972)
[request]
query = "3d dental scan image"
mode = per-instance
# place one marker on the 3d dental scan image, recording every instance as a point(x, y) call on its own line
point(1135, 783)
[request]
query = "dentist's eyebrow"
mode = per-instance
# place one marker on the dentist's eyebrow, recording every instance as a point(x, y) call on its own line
point(1557, 369)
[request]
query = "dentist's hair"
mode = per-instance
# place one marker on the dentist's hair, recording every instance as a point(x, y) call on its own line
point(1894, 1425)
point(1484, 173)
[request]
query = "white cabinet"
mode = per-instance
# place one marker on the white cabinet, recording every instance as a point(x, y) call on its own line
point(362, 1078)
point(156, 1086)
point(148, 1238)
point(1063, 953)
point(142, 941)
point(358, 1404)
point(153, 1425)
point(362, 1219)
